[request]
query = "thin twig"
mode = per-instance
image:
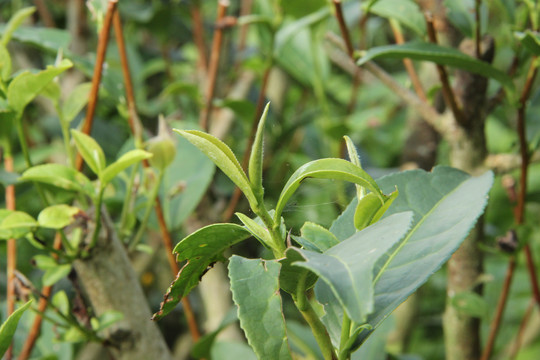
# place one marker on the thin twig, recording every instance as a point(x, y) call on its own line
point(11, 251)
point(417, 85)
point(478, 25)
point(44, 13)
point(500, 310)
point(135, 129)
point(245, 9)
point(229, 211)
point(98, 68)
point(522, 326)
point(198, 34)
point(448, 94)
point(204, 120)
point(343, 28)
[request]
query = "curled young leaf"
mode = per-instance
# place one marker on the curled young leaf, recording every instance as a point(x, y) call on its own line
point(90, 151)
point(256, 157)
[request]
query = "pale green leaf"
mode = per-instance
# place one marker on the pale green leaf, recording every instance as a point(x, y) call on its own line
point(5, 64)
point(15, 224)
point(7, 330)
point(530, 40)
point(57, 216)
point(316, 238)
point(126, 160)
point(424, 51)
point(255, 288)
point(256, 158)
point(257, 230)
point(90, 151)
point(61, 302)
point(53, 275)
point(348, 267)
point(223, 157)
point(26, 86)
point(58, 175)
point(336, 169)
point(13, 23)
point(75, 102)
point(201, 249)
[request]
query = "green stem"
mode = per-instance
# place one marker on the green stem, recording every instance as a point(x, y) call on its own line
point(345, 332)
point(65, 135)
point(148, 211)
point(278, 245)
point(97, 205)
point(22, 140)
point(317, 327)
point(128, 201)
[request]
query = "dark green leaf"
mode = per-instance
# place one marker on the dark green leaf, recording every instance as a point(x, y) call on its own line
point(7, 330)
point(255, 288)
point(8, 178)
point(48, 39)
point(291, 275)
point(348, 267)
point(200, 249)
point(440, 55)
point(531, 41)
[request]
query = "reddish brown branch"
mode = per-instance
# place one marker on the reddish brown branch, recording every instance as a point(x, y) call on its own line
point(448, 94)
point(343, 28)
point(245, 9)
point(11, 251)
point(134, 125)
point(522, 326)
point(215, 55)
point(417, 85)
point(245, 160)
point(44, 13)
point(98, 67)
point(198, 34)
point(500, 310)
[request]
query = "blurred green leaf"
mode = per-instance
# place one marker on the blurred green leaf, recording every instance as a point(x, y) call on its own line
point(15, 224)
point(107, 319)
point(126, 160)
point(54, 274)
point(5, 64)
point(255, 288)
point(530, 40)
point(13, 23)
point(222, 350)
point(7, 330)
point(201, 249)
point(26, 86)
point(75, 102)
point(440, 55)
point(203, 347)
point(57, 216)
point(61, 301)
point(470, 304)
point(58, 175)
point(406, 12)
point(90, 151)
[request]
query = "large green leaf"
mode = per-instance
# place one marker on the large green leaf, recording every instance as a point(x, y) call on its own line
point(201, 249)
point(7, 330)
point(348, 267)
point(406, 12)
point(223, 157)
point(58, 175)
point(336, 169)
point(255, 288)
point(440, 55)
point(90, 151)
point(446, 204)
point(48, 39)
point(26, 86)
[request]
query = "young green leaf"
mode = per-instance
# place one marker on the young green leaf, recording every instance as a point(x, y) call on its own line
point(348, 267)
point(57, 216)
point(355, 159)
point(257, 230)
point(13, 23)
point(201, 249)
point(90, 151)
point(15, 224)
point(255, 288)
point(223, 157)
point(58, 175)
point(316, 238)
point(256, 157)
point(369, 209)
point(5, 65)
point(337, 169)
point(54, 274)
point(26, 86)
point(126, 160)
point(7, 330)
point(440, 55)
point(75, 102)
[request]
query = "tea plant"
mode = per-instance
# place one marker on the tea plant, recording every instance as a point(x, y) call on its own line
point(344, 280)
